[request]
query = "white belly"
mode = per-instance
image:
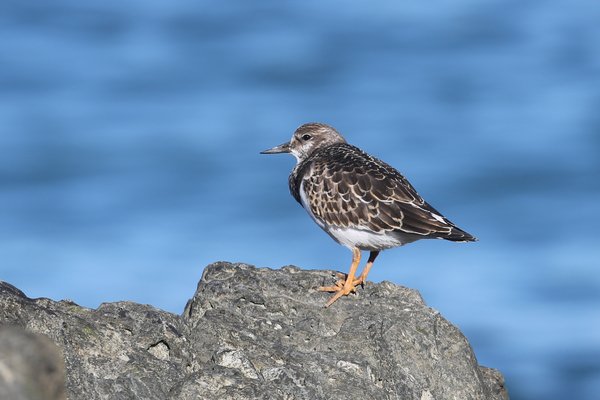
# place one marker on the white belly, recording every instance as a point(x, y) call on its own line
point(367, 240)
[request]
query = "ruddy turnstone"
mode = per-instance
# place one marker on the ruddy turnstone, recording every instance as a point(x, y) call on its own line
point(360, 201)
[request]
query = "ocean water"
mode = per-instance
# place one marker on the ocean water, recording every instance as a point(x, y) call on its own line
point(130, 135)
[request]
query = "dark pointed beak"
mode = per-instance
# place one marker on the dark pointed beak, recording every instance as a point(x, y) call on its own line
point(282, 148)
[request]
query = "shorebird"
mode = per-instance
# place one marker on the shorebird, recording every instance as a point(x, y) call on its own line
point(360, 201)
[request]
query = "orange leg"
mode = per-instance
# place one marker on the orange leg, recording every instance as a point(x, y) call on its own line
point(362, 279)
point(349, 285)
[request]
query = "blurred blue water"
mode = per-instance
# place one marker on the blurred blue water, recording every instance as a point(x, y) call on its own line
point(130, 135)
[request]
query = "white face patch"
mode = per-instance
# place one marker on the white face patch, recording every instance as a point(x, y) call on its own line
point(307, 147)
point(301, 150)
point(294, 152)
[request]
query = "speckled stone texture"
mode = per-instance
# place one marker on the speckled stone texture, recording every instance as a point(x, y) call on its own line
point(258, 333)
point(31, 366)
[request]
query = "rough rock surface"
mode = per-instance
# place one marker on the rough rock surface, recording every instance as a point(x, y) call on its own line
point(257, 333)
point(31, 366)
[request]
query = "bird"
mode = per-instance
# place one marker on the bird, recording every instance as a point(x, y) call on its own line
point(360, 201)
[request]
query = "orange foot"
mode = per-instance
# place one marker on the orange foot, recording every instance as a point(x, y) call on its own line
point(341, 288)
point(349, 282)
point(340, 284)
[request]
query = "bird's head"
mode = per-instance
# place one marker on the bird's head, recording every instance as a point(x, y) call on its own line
point(308, 138)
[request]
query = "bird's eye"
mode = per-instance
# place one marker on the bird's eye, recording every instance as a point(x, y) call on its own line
point(306, 137)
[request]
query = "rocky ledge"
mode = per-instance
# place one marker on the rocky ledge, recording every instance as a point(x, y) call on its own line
point(255, 333)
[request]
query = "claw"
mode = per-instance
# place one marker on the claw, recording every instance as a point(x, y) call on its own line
point(349, 282)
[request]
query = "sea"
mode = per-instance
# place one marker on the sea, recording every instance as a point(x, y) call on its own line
point(130, 134)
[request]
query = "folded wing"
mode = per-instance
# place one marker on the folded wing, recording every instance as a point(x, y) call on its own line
point(349, 188)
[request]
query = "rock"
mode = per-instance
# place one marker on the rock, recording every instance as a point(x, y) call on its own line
point(494, 380)
point(257, 333)
point(31, 366)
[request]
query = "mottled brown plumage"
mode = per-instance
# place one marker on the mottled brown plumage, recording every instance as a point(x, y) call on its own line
point(360, 201)
point(349, 188)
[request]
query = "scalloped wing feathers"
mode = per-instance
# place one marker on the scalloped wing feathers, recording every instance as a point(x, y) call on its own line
point(347, 187)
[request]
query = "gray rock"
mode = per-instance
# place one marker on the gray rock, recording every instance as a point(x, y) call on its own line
point(31, 366)
point(257, 333)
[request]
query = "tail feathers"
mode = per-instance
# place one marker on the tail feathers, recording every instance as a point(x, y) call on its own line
point(458, 235)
